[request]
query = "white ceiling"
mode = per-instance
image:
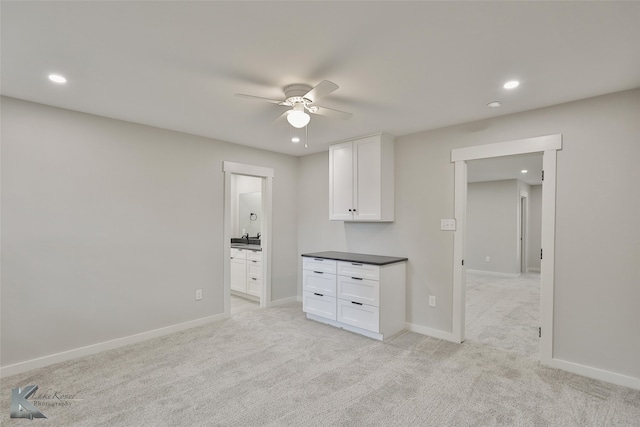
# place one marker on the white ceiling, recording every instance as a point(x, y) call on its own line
point(402, 67)
point(507, 167)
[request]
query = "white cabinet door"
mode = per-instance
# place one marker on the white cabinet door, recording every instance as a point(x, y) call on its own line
point(368, 179)
point(239, 274)
point(361, 179)
point(341, 181)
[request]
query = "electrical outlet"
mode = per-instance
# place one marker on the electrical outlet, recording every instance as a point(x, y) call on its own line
point(198, 294)
point(448, 224)
point(487, 258)
point(432, 300)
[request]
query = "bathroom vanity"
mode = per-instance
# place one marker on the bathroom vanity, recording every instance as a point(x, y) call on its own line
point(246, 270)
point(357, 292)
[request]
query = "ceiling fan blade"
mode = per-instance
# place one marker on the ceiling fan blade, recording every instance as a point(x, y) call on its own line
point(283, 115)
point(330, 112)
point(258, 98)
point(323, 89)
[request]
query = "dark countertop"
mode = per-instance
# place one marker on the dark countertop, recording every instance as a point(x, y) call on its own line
point(247, 247)
point(361, 258)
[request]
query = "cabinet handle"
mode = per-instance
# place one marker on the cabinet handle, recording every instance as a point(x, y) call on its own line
point(320, 295)
point(319, 272)
point(355, 263)
point(318, 259)
point(356, 278)
point(356, 303)
point(350, 210)
point(253, 278)
point(254, 261)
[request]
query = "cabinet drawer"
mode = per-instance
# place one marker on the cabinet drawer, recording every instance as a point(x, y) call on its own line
point(355, 269)
point(318, 304)
point(254, 255)
point(254, 268)
point(359, 315)
point(238, 253)
point(319, 282)
point(319, 264)
point(254, 286)
point(359, 290)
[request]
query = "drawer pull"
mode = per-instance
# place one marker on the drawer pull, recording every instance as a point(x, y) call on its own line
point(318, 272)
point(355, 263)
point(356, 278)
point(253, 261)
point(356, 303)
point(253, 278)
point(318, 259)
point(320, 295)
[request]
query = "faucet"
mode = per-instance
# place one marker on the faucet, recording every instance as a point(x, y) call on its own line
point(246, 236)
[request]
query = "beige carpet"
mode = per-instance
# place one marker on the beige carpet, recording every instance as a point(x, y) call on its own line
point(504, 312)
point(273, 367)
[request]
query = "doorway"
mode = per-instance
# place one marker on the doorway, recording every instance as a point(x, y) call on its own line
point(502, 300)
point(548, 145)
point(265, 175)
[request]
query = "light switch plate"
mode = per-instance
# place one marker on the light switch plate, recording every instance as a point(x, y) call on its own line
point(448, 224)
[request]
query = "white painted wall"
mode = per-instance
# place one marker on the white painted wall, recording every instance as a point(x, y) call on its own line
point(597, 265)
point(534, 243)
point(108, 227)
point(492, 226)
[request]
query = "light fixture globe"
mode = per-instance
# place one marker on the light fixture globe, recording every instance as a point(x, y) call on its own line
point(297, 117)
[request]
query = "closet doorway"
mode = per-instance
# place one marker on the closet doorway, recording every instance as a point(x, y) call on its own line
point(548, 145)
point(259, 203)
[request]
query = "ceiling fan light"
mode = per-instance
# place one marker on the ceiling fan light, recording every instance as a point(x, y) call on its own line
point(298, 119)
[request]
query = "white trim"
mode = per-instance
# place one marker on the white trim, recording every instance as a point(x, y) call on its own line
point(434, 333)
point(495, 273)
point(547, 263)
point(509, 148)
point(549, 145)
point(533, 270)
point(266, 174)
point(459, 236)
point(41, 362)
point(242, 169)
point(595, 373)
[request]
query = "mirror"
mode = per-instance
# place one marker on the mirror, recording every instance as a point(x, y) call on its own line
point(250, 212)
point(246, 200)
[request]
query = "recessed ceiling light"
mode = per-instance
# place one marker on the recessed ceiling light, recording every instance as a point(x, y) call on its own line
point(57, 78)
point(295, 139)
point(511, 84)
point(524, 171)
point(494, 104)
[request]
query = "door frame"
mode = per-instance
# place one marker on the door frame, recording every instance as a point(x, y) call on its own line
point(523, 231)
point(548, 145)
point(232, 168)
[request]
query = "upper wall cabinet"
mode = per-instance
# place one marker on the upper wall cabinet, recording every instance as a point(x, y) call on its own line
point(361, 179)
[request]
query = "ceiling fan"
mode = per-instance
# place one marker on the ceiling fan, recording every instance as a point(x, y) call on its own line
point(302, 98)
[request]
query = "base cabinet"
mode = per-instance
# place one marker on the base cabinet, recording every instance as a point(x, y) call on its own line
point(246, 272)
point(363, 298)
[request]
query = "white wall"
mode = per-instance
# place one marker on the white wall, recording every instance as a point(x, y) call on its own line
point(534, 243)
point(108, 227)
point(597, 265)
point(492, 226)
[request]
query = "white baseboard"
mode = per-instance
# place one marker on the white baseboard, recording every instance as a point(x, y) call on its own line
point(284, 301)
point(595, 373)
point(434, 333)
point(495, 273)
point(533, 270)
point(41, 362)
